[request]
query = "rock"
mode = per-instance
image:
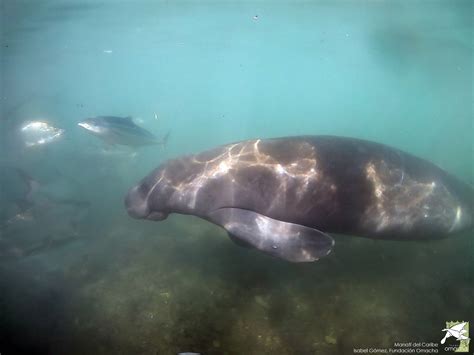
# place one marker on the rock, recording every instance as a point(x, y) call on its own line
point(262, 302)
point(330, 339)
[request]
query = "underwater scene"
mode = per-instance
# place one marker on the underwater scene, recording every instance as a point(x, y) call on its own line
point(236, 177)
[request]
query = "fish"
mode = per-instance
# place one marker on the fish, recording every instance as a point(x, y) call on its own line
point(121, 131)
point(38, 133)
point(17, 201)
point(35, 216)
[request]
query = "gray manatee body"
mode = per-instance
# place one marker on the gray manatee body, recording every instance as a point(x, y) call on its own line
point(284, 195)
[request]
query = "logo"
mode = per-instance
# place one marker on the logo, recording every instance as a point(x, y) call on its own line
point(460, 332)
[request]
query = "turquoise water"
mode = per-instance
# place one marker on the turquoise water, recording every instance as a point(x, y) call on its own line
point(79, 280)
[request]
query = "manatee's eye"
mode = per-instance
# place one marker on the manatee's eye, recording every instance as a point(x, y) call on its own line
point(151, 182)
point(146, 200)
point(144, 189)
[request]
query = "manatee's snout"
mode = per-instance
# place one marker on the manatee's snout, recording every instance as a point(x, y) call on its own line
point(138, 207)
point(136, 204)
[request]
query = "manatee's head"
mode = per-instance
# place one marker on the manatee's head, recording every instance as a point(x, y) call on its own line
point(167, 189)
point(149, 198)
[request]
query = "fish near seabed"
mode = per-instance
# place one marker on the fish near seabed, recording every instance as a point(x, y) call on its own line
point(284, 196)
point(120, 130)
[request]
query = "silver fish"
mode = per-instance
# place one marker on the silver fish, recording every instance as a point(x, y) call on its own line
point(120, 130)
point(37, 133)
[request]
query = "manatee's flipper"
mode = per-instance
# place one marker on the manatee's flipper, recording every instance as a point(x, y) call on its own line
point(288, 241)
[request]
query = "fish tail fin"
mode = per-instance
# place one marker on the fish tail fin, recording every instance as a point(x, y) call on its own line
point(164, 141)
point(30, 182)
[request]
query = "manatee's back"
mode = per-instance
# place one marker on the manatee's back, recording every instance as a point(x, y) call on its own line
point(386, 193)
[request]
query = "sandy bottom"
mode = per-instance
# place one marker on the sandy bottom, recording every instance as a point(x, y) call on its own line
point(182, 285)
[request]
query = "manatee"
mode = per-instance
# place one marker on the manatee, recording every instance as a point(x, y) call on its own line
point(286, 196)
